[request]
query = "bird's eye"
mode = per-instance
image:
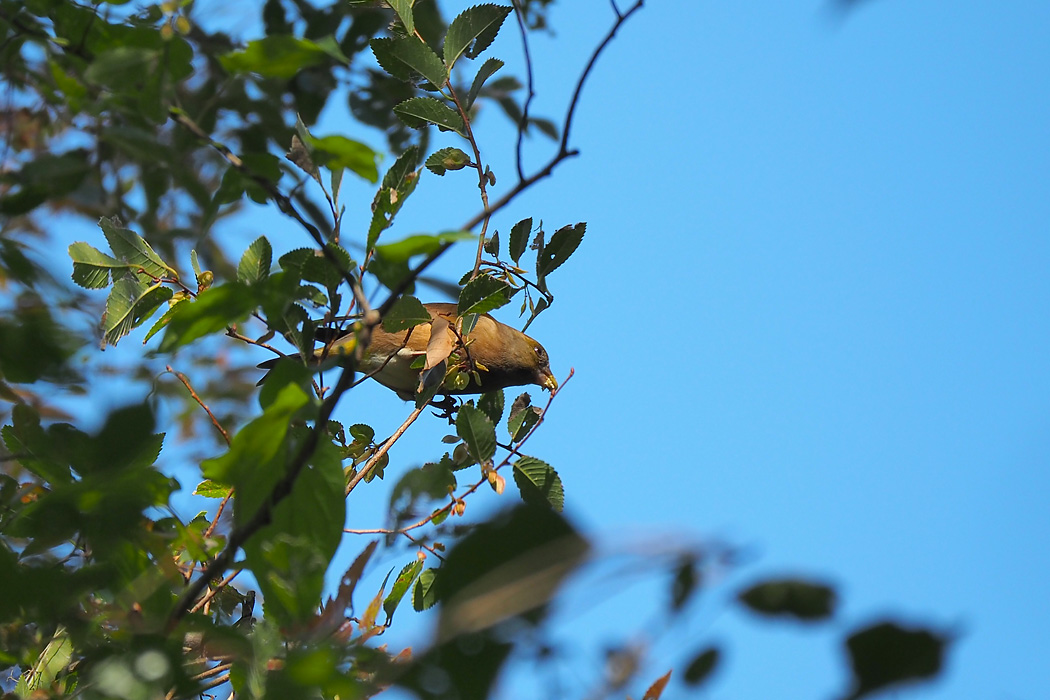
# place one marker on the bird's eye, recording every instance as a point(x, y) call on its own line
point(538, 350)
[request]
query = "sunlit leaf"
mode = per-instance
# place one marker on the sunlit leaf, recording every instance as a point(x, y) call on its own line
point(538, 483)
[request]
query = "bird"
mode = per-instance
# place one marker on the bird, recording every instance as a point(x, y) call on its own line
point(501, 356)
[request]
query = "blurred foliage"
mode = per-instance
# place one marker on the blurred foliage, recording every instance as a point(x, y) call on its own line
point(147, 120)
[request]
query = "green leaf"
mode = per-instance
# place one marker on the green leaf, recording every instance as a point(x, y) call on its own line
point(162, 322)
point(130, 302)
point(424, 595)
point(447, 159)
point(523, 415)
point(407, 312)
point(538, 483)
point(92, 267)
point(211, 489)
point(131, 249)
point(212, 311)
point(123, 68)
point(472, 31)
point(477, 432)
point(289, 556)
point(403, 8)
point(409, 59)
point(404, 581)
point(254, 446)
point(256, 261)
point(487, 70)
point(519, 238)
point(398, 183)
point(561, 245)
point(340, 152)
point(279, 56)
point(802, 600)
point(701, 666)
point(483, 294)
point(417, 112)
point(421, 244)
point(887, 654)
point(334, 152)
point(491, 404)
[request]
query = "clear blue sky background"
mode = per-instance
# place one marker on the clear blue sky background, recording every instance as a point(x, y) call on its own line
point(809, 318)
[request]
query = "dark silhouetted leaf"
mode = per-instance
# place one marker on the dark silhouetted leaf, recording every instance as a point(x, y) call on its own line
point(887, 654)
point(803, 600)
point(700, 667)
point(561, 245)
point(519, 238)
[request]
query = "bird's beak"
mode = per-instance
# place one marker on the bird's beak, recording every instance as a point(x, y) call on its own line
point(549, 382)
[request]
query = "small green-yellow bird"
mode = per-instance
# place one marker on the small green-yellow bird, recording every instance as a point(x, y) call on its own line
point(503, 356)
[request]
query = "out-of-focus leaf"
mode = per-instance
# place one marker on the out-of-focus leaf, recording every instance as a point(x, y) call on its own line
point(803, 600)
point(701, 666)
point(421, 244)
point(887, 654)
point(279, 56)
point(508, 567)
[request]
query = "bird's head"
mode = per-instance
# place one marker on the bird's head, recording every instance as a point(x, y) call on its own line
point(511, 357)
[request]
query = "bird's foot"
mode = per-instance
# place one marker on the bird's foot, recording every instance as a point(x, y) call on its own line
point(448, 407)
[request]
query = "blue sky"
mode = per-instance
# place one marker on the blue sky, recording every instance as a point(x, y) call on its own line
point(809, 318)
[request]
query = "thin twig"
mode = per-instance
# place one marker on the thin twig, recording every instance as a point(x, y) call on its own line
point(374, 459)
point(523, 124)
point(214, 421)
point(214, 591)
